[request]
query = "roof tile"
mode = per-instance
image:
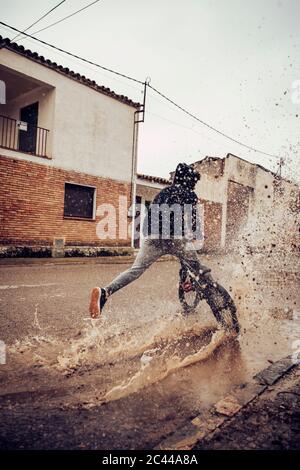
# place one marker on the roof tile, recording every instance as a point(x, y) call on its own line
point(154, 179)
point(13, 46)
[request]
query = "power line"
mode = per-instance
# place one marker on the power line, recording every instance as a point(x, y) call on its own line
point(99, 73)
point(211, 127)
point(254, 149)
point(65, 18)
point(73, 55)
point(37, 21)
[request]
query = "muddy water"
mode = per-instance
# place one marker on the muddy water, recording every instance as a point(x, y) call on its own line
point(156, 373)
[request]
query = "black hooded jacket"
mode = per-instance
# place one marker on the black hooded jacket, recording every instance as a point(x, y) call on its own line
point(164, 222)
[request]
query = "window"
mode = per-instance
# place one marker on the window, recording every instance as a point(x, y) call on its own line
point(79, 201)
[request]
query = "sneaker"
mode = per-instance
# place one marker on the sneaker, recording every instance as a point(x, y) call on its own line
point(97, 302)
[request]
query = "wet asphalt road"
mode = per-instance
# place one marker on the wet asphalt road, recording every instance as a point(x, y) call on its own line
point(54, 298)
point(45, 420)
point(51, 301)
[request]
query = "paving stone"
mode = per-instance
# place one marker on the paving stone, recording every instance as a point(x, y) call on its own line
point(246, 393)
point(183, 439)
point(272, 373)
point(194, 430)
point(228, 406)
point(208, 421)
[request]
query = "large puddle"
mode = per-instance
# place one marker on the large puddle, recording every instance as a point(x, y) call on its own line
point(162, 371)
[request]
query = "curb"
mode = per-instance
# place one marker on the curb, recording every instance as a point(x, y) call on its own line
point(8, 262)
point(204, 424)
point(16, 262)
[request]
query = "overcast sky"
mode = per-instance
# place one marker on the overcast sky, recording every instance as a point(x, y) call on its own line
point(233, 63)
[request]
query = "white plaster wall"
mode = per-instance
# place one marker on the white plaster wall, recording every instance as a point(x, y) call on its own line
point(212, 189)
point(91, 132)
point(240, 171)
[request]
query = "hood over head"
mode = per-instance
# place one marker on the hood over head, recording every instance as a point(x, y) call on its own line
point(186, 176)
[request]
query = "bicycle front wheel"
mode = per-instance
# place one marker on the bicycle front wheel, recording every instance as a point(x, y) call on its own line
point(188, 293)
point(222, 306)
point(189, 300)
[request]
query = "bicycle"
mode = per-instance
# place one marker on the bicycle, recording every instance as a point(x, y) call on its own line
point(194, 288)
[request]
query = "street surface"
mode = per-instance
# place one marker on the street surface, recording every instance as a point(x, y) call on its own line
point(120, 381)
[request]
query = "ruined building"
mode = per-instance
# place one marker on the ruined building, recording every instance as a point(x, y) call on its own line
point(247, 206)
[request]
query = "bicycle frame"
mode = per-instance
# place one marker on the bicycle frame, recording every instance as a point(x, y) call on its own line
point(206, 288)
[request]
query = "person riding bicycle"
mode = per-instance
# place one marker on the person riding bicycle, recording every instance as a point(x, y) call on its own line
point(172, 224)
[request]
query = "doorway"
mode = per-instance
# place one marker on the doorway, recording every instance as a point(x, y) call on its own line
point(27, 139)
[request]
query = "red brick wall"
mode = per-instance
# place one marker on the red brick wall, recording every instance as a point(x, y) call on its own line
point(32, 205)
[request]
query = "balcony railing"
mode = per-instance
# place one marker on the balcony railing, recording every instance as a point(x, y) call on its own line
point(24, 137)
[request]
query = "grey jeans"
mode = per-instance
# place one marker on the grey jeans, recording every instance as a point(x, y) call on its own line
point(150, 251)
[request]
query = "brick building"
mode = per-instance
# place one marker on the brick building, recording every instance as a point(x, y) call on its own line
point(67, 145)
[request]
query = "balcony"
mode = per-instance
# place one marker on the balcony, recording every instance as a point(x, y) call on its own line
point(26, 115)
point(23, 136)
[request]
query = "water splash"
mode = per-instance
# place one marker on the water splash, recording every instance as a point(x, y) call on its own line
point(163, 363)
